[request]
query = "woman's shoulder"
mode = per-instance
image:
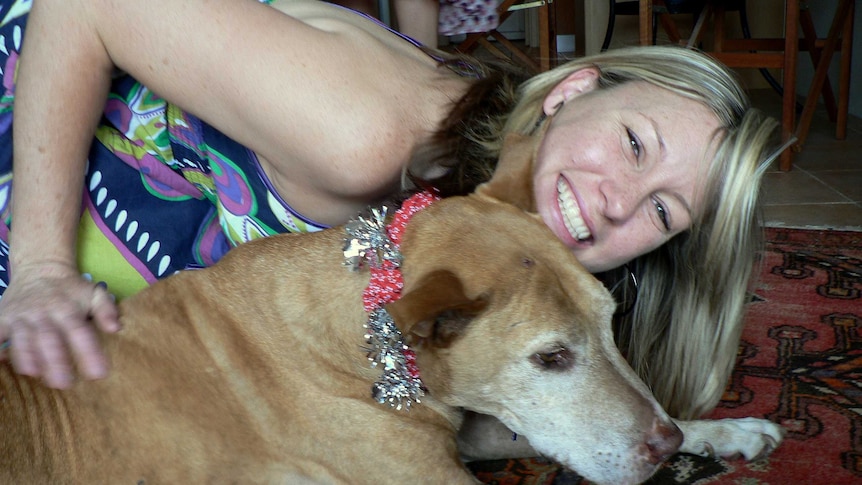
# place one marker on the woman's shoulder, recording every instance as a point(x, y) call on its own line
point(332, 102)
point(384, 97)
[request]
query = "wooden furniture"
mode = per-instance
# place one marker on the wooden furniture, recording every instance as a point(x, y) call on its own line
point(661, 14)
point(547, 36)
point(782, 53)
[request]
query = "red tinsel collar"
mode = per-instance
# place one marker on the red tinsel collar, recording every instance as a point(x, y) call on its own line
point(373, 243)
point(386, 282)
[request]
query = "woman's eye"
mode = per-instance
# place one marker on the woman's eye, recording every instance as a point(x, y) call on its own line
point(634, 142)
point(662, 214)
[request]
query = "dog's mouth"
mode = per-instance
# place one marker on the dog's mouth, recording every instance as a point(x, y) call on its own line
point(571, 213)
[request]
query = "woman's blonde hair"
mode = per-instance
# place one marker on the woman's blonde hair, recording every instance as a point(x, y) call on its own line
point(683, 331)
point(683, 334)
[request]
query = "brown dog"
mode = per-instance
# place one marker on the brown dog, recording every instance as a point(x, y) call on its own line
point(253, 370)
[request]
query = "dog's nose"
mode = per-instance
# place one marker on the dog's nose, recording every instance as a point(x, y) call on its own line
point(663, 440)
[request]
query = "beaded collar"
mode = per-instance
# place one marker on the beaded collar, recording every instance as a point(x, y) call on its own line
point(371, 243)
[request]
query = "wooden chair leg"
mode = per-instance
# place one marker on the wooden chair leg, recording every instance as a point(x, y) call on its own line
point(468, 45)
point(767, 55)
point(518, 53)
point(645, 21)
point(697, 31)
point(809, 36)
point(547, 36)
point(670, 27)
point(490, 47)
point(547, 39)
point(718, 28)
point(788, 102)
point(844, 76)
point(835, 30)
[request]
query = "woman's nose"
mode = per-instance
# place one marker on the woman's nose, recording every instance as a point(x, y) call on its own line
point(622, 199)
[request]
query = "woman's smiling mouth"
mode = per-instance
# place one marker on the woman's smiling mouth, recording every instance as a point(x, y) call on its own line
point(571, 213)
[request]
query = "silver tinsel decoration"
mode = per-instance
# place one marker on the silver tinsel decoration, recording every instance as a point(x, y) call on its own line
point(386, 347)
point(368, 245)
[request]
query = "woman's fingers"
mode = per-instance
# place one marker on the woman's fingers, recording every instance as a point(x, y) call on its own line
point(22, 351)
point(103, 310)
point(52, 333)
point(5, 334)
point(52, 356)
point(87, 352)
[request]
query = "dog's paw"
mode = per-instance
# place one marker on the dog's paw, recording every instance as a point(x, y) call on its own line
point(751, 438)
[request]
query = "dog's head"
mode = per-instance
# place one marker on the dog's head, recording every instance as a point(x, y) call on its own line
point(506, 322)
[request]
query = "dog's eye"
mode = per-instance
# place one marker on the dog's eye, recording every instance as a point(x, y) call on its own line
point(557, 359)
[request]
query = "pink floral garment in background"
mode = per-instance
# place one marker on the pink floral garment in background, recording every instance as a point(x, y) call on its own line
point(465, 16)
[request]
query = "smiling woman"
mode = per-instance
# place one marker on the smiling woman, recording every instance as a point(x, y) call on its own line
point(655, 169)
point(624, 167)
point(649, 158)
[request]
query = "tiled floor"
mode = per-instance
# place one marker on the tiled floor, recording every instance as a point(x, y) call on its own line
point(824, 188)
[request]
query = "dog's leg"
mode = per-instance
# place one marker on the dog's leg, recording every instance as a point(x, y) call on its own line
point(752, 438)
point(484, 437)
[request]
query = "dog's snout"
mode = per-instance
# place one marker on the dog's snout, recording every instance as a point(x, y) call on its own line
point(663, 440)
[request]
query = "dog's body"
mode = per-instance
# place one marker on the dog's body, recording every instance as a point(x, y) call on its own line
point(219, 375)
point(252, 371)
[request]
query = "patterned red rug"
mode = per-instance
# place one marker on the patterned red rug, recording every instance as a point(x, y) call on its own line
point(799, 364)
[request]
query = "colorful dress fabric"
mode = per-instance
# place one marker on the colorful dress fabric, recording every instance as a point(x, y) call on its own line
point(164, 191)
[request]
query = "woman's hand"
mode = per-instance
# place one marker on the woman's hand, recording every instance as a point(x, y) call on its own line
point(49, 314)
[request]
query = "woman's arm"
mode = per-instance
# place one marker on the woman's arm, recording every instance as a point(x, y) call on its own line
point(332, 104)
point(60, 95)
point(62, 83)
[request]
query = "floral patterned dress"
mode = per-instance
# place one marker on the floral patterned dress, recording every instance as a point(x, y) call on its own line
point(164, 191)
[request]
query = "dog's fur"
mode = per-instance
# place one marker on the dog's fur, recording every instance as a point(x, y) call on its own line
point(253, 371)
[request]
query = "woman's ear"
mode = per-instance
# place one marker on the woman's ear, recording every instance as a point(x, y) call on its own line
point(577, 83)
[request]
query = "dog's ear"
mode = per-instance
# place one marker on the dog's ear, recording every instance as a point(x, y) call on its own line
point(436, 311)
point(512, 181)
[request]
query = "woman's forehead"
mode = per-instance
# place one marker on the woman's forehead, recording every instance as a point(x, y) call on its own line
point(677, 117)
point(651, 97)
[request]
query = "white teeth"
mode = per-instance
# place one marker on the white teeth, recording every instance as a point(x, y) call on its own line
point(571, 213)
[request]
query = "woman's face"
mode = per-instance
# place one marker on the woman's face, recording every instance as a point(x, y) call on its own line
point(620, 170)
